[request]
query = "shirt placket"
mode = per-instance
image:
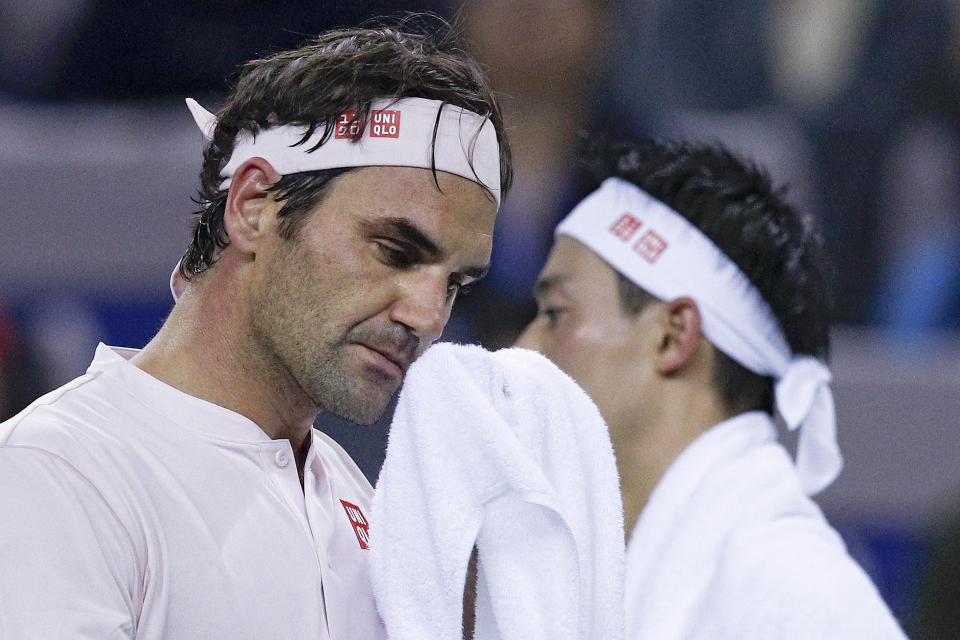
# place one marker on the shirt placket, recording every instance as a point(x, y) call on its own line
point(278, 461)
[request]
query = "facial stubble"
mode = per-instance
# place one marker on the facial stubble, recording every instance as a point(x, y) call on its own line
point(299, 324)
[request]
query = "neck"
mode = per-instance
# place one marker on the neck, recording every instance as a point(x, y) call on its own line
point(647, 447)
point(205, 348)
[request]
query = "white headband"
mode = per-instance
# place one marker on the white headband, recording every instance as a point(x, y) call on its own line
point(661, 252)
point(399, 132)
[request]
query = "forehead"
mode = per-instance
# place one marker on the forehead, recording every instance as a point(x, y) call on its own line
point(575, 270)
point(442, 204)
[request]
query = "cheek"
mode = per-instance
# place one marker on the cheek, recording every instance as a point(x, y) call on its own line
point(584, 351)
point(340, 274)
point(601, 360)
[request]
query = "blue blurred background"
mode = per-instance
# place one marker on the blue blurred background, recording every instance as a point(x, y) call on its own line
point(853, 104)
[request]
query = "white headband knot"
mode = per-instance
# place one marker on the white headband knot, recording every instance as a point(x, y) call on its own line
point(662, 252)
point(804, 399)
point(399, 132)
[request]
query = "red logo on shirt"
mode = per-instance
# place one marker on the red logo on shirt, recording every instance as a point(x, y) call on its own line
point(625, 227)
point(384, 124)
point(360, 525)
point(650, 246)
point(348, 125)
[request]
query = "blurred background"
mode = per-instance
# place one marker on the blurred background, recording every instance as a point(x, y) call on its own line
point(855, 104)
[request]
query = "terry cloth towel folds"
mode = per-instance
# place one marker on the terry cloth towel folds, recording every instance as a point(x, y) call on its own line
point(503, 450)
point(730, 548)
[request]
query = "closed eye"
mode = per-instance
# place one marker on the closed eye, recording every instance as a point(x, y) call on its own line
point(400, 256)
point(552, 314)
point(455, 288)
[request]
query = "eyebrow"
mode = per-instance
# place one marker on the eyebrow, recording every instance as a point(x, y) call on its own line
point(410, 233)
point(547, 283)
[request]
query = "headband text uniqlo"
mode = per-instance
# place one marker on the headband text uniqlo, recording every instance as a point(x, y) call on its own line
point(398, 133)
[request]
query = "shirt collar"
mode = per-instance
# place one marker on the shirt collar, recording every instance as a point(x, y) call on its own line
point(207, 418)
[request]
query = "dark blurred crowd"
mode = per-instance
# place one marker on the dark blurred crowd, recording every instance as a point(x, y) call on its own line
point(852, 104)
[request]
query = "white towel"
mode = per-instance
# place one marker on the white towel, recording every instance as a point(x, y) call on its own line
point(729, 547)
point(505, 450)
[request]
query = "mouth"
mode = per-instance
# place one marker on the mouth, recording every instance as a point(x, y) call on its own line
point(393, 361)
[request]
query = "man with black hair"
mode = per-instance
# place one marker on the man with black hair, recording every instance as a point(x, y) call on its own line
point(348, 192)
point(690, 301)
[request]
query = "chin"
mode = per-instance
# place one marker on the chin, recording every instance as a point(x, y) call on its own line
point(359, 394)
point(360, 408)
point(365, 416)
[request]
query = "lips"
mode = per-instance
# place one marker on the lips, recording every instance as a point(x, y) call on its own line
point(399, 359)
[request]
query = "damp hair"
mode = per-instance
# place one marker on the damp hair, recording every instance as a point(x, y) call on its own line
point(341, 70)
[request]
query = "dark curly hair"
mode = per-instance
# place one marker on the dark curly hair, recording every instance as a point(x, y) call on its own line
point(339, 71)
point(735, 205)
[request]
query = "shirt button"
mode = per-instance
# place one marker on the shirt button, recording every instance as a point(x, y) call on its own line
point(281, 458)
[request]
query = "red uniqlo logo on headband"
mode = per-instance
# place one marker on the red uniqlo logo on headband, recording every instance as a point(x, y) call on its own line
point(347, 125)
point(650, 246)
point(360, 525)
point(625, 226)
point(384, 124)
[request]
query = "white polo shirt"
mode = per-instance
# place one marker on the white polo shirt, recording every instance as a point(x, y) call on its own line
point(129, 509)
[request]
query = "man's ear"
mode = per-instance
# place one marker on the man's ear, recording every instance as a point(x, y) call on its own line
point(680, 326)
point(250, 207)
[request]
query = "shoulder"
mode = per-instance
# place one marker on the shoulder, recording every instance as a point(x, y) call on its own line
point(791, 577)
point(28, 466)
point(80, 416)
point(71, 442)
point(33, 477)
point(43, 494)
point(63, 550)
point(57, 411)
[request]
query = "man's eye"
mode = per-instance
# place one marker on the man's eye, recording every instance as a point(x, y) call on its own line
point(400, 258)
point(552, 314)
point(453, 288)
point(456, 289)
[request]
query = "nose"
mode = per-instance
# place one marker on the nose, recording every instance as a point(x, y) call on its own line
point(422, 306)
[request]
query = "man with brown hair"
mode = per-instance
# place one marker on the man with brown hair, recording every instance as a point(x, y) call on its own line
point(348, 191)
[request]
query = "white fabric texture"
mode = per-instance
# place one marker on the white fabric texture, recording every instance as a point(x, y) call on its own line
point(730, 548)
point(133, 510)
point(399, 133)
point(661, 252)
point(505, 450)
